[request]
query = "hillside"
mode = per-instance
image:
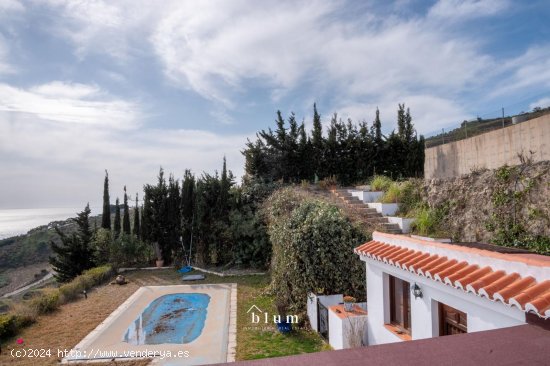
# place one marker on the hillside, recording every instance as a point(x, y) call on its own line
point(479, 126)
point(33, 247)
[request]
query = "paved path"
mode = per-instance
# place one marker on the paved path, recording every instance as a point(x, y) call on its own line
point(25, 288)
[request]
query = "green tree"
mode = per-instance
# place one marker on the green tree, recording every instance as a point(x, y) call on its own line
point(106, 216)
point(75, 254)
point(126, 216)
point(117, 228)
point(187, 208)
point(401, 121)
point(137, 228)
point(317, 142)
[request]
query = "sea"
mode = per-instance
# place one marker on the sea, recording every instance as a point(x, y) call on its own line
point(19, 221)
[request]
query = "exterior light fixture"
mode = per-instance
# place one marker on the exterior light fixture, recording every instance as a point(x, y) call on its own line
point(417, 291)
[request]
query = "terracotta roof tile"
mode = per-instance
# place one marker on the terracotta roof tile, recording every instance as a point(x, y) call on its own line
point(489, 290)
point(530, 293)
point(415, 259)
point(497, 285)
point(453, 269)
point(472, 277)
point(440, 268)
point(486, 280)
point(515, 288)
point(451, 278)
point(433, 264)
point(540, 305)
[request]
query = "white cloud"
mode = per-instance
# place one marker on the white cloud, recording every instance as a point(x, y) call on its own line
point(542, 103)
point(428, 112)
point(457, 10)
point(59, 89)
point(530, 69)
point(70, 103)
point(218, 49)
point(5, 66)
point(64, 163)
point(10, 6)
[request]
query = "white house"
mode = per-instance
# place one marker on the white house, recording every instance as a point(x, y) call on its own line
point(421, 289)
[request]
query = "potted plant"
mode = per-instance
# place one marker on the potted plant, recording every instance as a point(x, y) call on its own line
point(349, 301)
point(158, 253)
point(282, 308)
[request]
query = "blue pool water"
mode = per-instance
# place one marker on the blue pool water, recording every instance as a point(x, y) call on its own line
point(174, 318)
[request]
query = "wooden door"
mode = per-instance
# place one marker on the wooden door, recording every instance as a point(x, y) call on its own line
point(452, 321)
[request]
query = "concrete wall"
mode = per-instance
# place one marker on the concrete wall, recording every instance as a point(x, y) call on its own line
point(490, 150)
point(482, 314)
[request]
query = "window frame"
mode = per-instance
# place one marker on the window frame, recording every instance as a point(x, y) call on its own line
point(405, 304)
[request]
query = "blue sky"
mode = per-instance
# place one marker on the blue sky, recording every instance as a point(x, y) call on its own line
point(131, 85)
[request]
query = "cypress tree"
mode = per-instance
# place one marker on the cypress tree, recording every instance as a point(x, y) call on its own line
point(187, 206)
point(401, 123)
point(117, 219)
point(317, 142)
point(75, 253)
point(137, 229)
point(409, 128)
point(106, 216)
point(126, 218)
point(377, 127)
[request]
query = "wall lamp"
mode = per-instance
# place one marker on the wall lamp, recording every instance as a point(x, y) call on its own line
point(417, 291)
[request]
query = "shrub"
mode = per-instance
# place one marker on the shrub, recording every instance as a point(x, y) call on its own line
point(428, 221)
point(24, 313)
point(393, 193)
point(85, 281)
point(312, 249)
point(411, 197)
point(380, 183)
point(70, 291)
point(99, 275)
point(328, 182)
point(7, 326)
point(47, 302)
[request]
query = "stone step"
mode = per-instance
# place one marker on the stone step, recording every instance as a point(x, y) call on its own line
point(353, 201)
point(391, 226)
point(379, 220)
point(366, 210)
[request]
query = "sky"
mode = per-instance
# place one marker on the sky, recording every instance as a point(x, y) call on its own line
point(130, 86)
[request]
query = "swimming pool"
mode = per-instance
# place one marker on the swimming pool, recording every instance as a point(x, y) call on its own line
point(199, 320)
point(173, 318)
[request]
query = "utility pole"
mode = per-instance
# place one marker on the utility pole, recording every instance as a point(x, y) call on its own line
point(502, 117)
point(443, 135)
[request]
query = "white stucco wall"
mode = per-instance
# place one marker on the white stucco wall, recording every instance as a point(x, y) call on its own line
point(386, 209)
point(404, 223)
point(326, 300)
point(341, 329)
point(482, 313)
point(367, 196)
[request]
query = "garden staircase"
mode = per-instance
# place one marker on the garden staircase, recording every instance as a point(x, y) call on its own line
point(369, 214)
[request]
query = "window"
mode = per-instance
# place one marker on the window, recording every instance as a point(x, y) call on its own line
point(451, 321)
point(400, 304)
